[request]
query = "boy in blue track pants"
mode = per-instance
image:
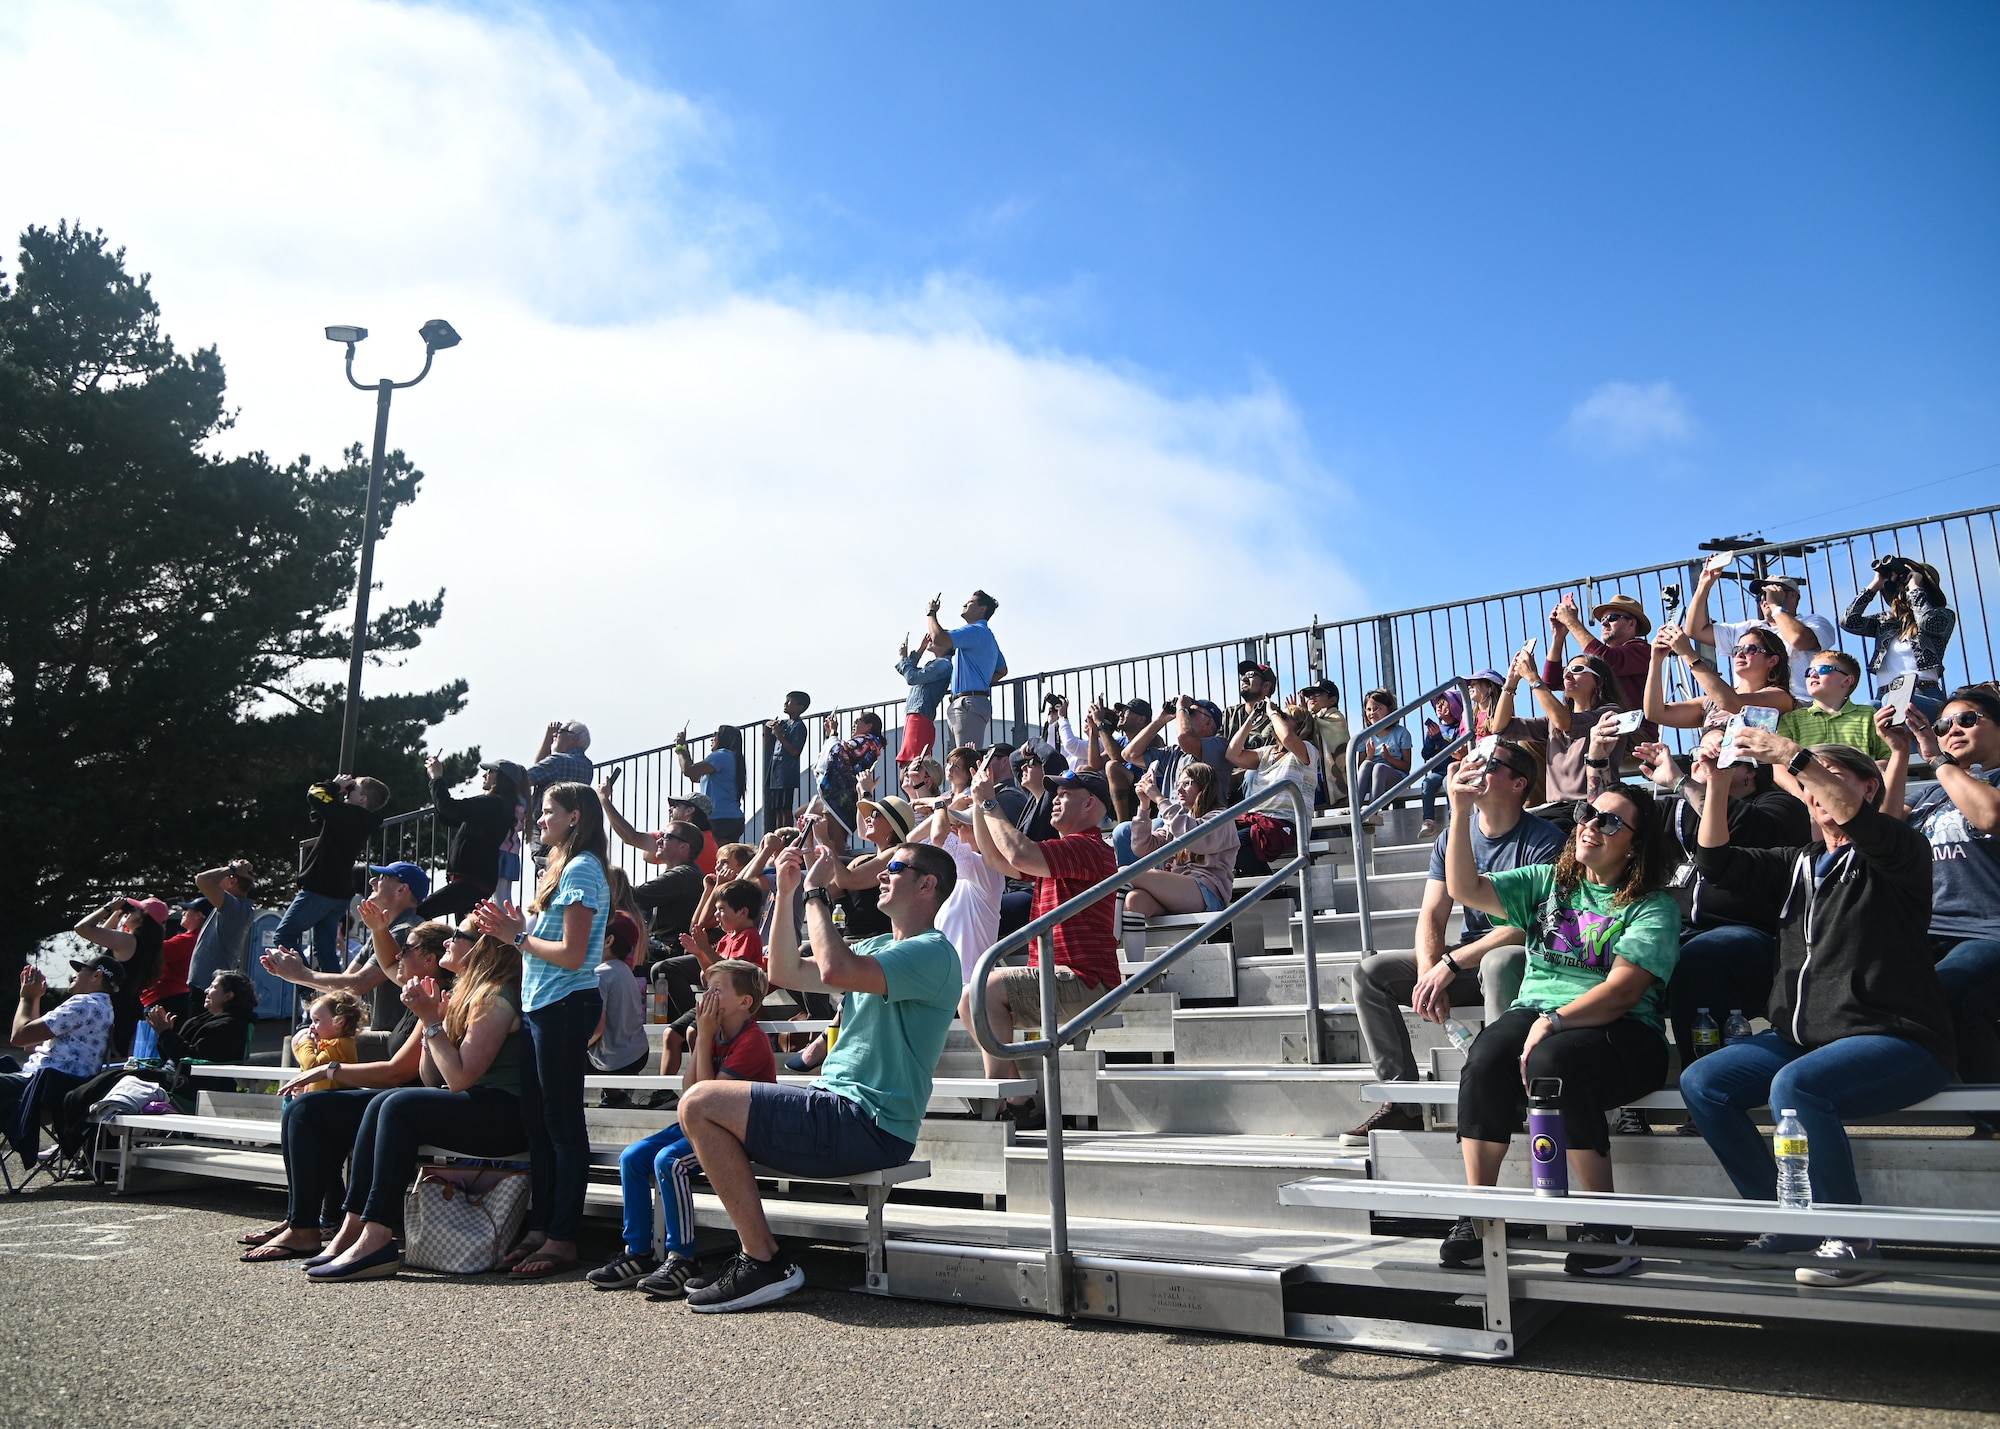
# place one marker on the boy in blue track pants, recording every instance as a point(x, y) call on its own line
point(727, 1043)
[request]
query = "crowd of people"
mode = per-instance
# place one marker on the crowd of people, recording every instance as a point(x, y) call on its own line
point(1781, 872)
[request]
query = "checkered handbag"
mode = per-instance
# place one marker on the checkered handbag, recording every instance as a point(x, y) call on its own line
point(463, 1229)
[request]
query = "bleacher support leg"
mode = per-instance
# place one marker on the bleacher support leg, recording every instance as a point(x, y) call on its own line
point(1499, 1300)
point(1058, 1291)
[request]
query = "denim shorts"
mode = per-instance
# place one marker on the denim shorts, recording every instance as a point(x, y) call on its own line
point(810, 1132)
point(1211, 900)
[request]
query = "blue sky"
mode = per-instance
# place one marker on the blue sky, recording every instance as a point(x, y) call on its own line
point(1379, 305)
point(1437, 229)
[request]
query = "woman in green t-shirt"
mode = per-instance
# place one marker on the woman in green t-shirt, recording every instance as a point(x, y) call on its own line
point(1602, 941)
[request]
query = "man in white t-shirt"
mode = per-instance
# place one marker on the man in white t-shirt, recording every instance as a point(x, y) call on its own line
point(1778, 609)
point(970, 916)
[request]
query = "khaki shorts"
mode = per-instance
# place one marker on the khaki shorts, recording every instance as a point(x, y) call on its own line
point(1023, 987)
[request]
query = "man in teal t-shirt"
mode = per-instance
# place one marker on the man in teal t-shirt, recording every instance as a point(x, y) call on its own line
point(899, 994)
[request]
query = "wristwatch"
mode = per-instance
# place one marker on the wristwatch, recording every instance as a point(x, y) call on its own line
point(819, 895)
point(989, 805)
point(1796, 765)
point(1596, 763)
point(1451, 962)
point(521, 939)
point(433, 1030)
point(1555, 1021)
point(1944, 757)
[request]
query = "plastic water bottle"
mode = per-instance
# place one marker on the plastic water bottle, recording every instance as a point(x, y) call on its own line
point(1736, 1029)
point(1707, 1036)
point(1788, 1144)
point(1461, 1036)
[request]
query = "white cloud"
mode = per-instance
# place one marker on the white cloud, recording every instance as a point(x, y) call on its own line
point(1626, 418)
point(652, 493)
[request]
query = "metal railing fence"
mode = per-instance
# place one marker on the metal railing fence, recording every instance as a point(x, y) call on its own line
point(1050, 1044)
point(1420, 648)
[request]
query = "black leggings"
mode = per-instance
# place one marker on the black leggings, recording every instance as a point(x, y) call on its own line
point(456, 899)
point(484, 1121)
point(317, 1131)
point(1600, 1067)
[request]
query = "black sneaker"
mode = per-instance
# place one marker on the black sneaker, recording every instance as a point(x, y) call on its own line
point(1843, 1262)
point(745, 1284)
point(1583, 1263)
point(1390, 1116)
point(627, 1269)
point(1631, 1122)
point(1773, 1243)
point(674, 1279)
point(1026, 1116)
point(1462, 1248)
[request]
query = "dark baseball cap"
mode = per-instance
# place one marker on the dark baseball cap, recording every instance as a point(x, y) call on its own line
point(408, 874)
point(1090, 782)
point(197, 905)
point(114, 973)
point(1211, 709)
point(1244, 667)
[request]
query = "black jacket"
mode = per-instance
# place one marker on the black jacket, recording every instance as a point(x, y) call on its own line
point(1768, 818)
point(344, 832)
point(207, 1037)
point(1854, 953)
point(479, 826)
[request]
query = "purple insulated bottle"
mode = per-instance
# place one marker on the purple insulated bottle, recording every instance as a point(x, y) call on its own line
point(1547, 1150)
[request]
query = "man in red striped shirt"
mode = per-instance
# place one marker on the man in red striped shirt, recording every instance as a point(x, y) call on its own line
point(1086, 944)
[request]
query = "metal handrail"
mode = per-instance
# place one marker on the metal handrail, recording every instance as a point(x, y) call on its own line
point(1358, 813)
point(1049, 1045)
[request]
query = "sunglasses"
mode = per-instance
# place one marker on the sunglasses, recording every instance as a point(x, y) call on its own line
point(1578, 669)
point(459, 935)
point(1964, 719)
point(1497, 760)
point(1610, 824)
point(1745, 652)
point(903, 865)
point(1825, 670)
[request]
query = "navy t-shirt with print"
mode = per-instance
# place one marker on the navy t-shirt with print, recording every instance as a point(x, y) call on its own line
point(1965, 864)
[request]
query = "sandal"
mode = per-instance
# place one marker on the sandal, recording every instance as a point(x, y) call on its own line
point(537, 1264)
point(518, 1254)
point(259, 1237)
point(277, 1252)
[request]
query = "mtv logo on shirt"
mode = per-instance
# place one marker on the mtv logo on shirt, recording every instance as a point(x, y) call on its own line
point(1575, 937)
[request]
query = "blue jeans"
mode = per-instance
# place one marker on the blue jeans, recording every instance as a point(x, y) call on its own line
point(667, 1159)
point(1856, 1076)
point(481, 1121)
point(1969, 969)
point(552, 1110)
point(1721, 969)
point(319, 914)
point(1433, 782)
point(1121, 845)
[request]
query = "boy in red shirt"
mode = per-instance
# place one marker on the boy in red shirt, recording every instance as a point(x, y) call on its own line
point(727, 1043)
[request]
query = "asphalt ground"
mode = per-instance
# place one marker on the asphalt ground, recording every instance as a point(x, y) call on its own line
point(135, 1311)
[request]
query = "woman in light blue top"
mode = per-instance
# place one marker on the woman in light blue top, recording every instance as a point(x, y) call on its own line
point(561, 1006)
point(723, 777)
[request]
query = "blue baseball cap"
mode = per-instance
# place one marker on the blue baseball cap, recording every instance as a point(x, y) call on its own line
point(409, 875)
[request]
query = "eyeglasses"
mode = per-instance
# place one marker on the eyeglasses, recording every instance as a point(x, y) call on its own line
point(1825, 670)
point(1744, 652)
point(1964, 719)
point(1610, 824)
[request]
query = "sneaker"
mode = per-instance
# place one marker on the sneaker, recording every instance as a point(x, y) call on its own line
point(1428, 830)
point(1847, 1262)
point(1026, 1116)
point(745, 1284)
point(1584, 1263)
point(1772, 1243)
point(627, 1269)
point(1631, 1122)
point(1462, 1248)
point(1390, 1116)
point(674, 1279)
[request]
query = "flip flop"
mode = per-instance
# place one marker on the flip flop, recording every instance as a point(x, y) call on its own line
point(257, 1237)
point(277, 1252)
point(518, 1254)
point(535, 1265)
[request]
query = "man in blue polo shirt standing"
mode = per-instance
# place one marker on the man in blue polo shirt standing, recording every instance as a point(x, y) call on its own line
point(976, 667)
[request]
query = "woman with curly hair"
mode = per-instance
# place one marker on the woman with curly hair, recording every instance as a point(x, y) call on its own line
point(1602, 942)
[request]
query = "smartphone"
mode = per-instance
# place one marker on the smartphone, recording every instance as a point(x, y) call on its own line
point(612, 777)
point(1897, 696)
point(1726, 756)
point(1630, 720)
point(1755, 717)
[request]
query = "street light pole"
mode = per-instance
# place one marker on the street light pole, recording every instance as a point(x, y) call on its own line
point(437, 335)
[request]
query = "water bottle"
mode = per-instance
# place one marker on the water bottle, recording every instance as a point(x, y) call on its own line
point(1461, 1036)
point(1547, 1150)
point(1707, 1036)
point(1788, 1144)
point(1736, 1029)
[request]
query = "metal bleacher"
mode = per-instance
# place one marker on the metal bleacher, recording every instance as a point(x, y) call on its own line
point(1194, 1177)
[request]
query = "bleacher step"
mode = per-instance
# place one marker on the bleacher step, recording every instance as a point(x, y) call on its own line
point(1275, 1035)
point(1199, 1181)
point(1232, 1101)
point(1394, 928)
point(1279, 979)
